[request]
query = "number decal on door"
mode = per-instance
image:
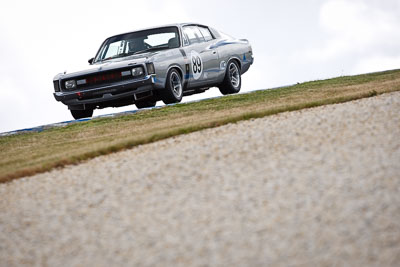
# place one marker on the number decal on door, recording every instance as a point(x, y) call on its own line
point(197, 64)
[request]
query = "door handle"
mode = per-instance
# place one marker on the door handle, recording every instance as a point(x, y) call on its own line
point(214, 52)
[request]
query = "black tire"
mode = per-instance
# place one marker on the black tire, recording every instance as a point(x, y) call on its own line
point(173, 91)
point(146, 103)
point(233, 79)
point(80, 114)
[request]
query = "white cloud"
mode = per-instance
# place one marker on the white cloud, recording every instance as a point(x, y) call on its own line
point(355, 28)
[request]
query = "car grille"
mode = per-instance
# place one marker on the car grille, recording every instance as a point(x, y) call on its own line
point(100, 79)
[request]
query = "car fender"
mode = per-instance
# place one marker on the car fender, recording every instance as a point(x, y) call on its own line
point(237, 58)
point(177, 66)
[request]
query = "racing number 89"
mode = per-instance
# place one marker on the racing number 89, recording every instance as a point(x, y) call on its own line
point(196, 64)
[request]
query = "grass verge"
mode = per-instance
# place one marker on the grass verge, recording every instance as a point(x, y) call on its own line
point(30, 153)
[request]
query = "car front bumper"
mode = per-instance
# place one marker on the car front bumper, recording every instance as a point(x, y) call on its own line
point(125, 89)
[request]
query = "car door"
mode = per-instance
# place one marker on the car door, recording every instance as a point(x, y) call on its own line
point(203, 60)
point(214, 70)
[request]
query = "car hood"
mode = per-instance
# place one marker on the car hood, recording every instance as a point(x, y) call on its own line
point(111, 64)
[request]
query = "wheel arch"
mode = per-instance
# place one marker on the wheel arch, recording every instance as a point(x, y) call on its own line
point(237, 60)
point(178, 68)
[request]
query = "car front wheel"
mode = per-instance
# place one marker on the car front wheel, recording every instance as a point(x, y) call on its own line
point(173, 90)
point(80, 114)
point(233, 79)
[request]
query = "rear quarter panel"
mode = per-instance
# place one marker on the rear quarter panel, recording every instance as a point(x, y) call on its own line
point(234, 49)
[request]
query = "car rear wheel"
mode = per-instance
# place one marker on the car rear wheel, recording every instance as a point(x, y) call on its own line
point(79, 114)
point(233, 79)
point(173, 91)
point(145, 104)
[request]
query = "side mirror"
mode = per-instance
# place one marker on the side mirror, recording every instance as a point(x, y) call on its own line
point(91, 60)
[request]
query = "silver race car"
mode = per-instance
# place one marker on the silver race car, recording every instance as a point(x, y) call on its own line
point(163, 63)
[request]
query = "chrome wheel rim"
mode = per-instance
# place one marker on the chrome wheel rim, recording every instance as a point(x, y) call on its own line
point(234, 75)
point(176, 84)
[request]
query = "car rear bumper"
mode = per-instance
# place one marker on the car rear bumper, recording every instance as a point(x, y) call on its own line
point(115, 91)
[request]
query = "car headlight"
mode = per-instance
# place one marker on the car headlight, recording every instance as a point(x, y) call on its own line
point(138, 71)
point(71, 84)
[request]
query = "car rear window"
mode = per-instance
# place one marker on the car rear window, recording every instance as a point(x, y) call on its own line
point(215, 33)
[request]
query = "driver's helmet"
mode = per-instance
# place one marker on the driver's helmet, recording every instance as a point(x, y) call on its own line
point(131, 47)
point(136, 45)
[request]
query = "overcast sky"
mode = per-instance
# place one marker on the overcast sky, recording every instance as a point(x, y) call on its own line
point(293, 41)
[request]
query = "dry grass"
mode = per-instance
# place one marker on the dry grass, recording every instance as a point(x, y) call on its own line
point(30, 153)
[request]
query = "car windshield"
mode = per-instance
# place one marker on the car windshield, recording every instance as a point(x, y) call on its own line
point(138, 42)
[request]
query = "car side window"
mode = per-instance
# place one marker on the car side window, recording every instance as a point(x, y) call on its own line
point(206, 33)
point(193, 34)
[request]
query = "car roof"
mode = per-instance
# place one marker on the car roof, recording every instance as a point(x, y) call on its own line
point(162, 26)
point(171, 25)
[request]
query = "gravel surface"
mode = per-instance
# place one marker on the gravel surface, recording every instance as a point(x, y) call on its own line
point(314, 187)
